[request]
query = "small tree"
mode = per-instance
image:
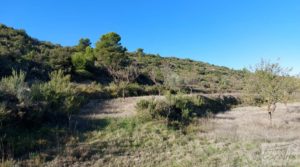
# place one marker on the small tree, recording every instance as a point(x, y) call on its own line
point(268, 84)
point(126, 76)
point(190, 78)
point(156, 75)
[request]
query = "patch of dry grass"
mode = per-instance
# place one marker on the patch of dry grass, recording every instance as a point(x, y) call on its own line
point(241, 137)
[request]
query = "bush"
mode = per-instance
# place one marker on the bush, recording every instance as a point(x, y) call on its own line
point(59, 96)
point(15, 85)
point(132, 89)
point(179, 110)
point(78, 60)
point(143, 104)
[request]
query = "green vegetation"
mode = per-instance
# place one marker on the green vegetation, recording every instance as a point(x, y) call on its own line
point(270, 84)
point(180, 110)
point(43, 86)
point(109, 62)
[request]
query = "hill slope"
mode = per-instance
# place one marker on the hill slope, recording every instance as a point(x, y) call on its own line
point(20, 51)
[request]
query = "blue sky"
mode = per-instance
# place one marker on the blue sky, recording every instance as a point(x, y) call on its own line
point(232, 33)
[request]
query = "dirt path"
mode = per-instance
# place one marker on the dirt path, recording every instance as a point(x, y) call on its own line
point(118, 107)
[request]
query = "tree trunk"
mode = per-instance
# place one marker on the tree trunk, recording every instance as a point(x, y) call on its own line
point(123, 93)
point(191, 90)
point(269, 111)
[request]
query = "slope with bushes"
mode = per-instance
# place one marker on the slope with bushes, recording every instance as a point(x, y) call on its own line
point(110, 62)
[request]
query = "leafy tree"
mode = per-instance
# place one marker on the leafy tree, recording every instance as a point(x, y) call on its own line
point(268, 84)
point(111, 53)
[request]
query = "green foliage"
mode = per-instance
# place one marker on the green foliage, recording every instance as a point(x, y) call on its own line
point(132, 89)
point(59, 94)
point(60, 59)
point(15, 85)
point(37, 59)
point(83, 44)
point(269, 84)
point(110, 52)
point(178, 111)
point(79, 61)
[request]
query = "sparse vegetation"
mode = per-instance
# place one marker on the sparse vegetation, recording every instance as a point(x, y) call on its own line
point(270, 84)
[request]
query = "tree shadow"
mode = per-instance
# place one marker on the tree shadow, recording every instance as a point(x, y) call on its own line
point(48, 138)
point(215, 105)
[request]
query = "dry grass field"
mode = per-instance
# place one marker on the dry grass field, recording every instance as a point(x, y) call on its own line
point(243, 136)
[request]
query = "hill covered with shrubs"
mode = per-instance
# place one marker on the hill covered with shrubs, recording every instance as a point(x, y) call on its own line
point(43, 85)
point(110, 63)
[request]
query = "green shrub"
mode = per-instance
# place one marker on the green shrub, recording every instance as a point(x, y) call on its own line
point(15, 85)
point(178, 111)
point(82, 60)
point(132, 89)
point(78, 60)
point(58, 94)
point(143, 104)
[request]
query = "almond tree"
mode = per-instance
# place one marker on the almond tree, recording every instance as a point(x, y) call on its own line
point(126, 76)
point(267, 82)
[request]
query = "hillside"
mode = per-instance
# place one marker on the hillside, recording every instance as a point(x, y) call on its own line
point(19, 51)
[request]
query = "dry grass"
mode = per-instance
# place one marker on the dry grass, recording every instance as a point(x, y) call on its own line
point(243, 136)
point(118, 107)
point(254, 123)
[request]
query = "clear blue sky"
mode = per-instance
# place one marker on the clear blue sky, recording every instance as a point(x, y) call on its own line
point(233, 33)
